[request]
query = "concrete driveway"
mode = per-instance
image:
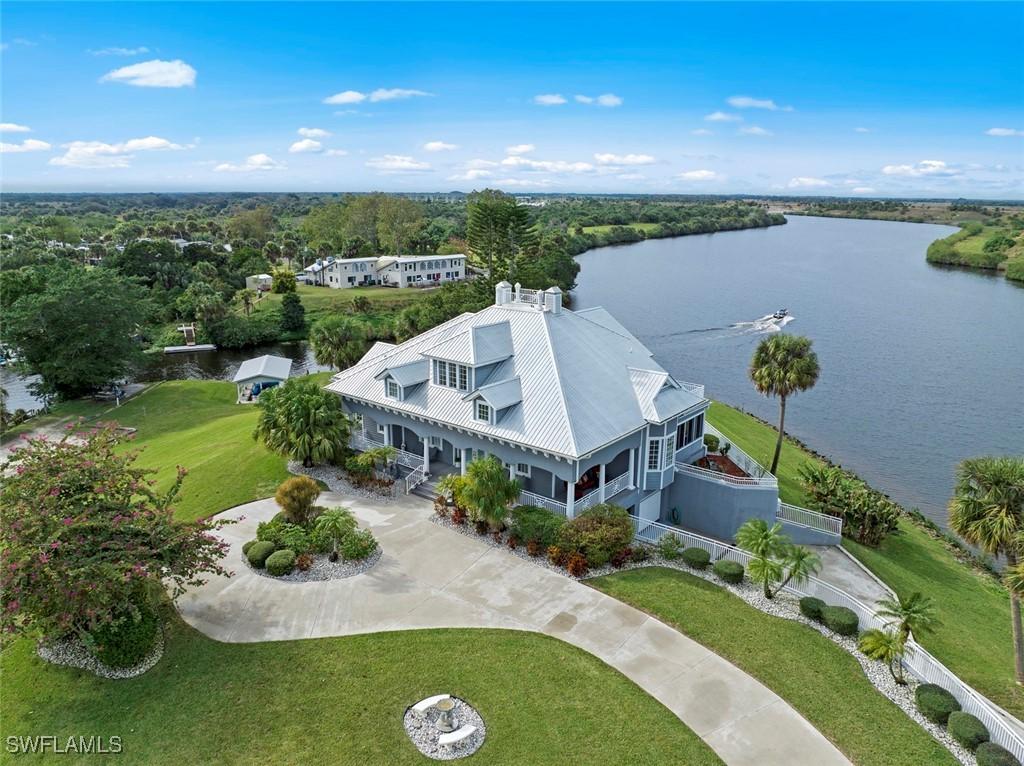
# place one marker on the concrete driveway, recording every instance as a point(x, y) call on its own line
point(430, 577)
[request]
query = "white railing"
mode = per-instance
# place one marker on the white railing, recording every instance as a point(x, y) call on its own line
point(693, 388)
point(360, 441)
point(587, 501)
point(616, 485)
point(529, 498)
point(813, 519)
point(414, 479)
point(408, 459)
point(533, 297)
point(917, 661)
point(749, 466)
point(739, 481)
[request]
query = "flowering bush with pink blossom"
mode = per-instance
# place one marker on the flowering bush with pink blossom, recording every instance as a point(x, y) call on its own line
point(84, 536)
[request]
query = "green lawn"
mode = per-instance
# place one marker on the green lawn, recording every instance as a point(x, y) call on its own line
point(341, 701)
point(820, 680)
point(970, 604)
point(320, 301)
point(609, 227)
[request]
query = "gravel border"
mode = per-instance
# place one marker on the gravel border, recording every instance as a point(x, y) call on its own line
point(336, 482)
point(71, 652)
point(323, 568)
point(784, 605)
point(424, 735)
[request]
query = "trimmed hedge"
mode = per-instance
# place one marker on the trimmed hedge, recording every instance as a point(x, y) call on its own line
point(126, 643)
point(259, 553)
point(730, 571)
point(247, 546)
point(966, 729)
point(810, 607)
point(280, 562)
point(935, 703)
point(698, 558)
point(840, 620)
point(991, 754)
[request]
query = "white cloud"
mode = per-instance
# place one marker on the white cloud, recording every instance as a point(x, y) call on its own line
point(478, 163)
point(305, 146)
point(473, 174)
point(528, 183)
point(702, 132)
point(746, 102)
point(862, 130)
point(346, 97)
point(631, 176)
point(439, 146)
point(700, 175)
point(397, 163)
point(624, 159)
point(923, 168)
point(1004, 132)
point(390, 94)
point(519, 149)
point(13, 127)
point(154, 74)
point(549, 99)
point(807, 182)
point(336, 153)
point(120, 51)
point(722, 117)
point(547, 166)
point(863, 190)
point(99, 154)
point(253, 163)
point(605, 99)
point(28, 145)
point(754, 130)
point(313, 132)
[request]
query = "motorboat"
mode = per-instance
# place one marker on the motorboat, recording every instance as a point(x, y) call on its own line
point(780, 314)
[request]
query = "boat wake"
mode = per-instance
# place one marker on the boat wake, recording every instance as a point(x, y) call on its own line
point(766, 324)
point(763, 326)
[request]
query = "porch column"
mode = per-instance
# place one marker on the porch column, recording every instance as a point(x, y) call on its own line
point(465, 460)
point(632, 468)
point(570, 499)
point(512, 471)
point(600, 483)
point(553, 495)
point(426, 455)
point(387, 435)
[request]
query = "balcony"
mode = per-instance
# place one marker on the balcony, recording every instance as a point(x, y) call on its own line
point(611, 488)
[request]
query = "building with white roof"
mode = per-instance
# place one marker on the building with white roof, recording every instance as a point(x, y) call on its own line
point(256, 375)
point(388, 270)
point(570, 401)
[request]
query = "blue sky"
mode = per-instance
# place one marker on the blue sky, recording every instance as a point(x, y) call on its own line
point(870, 99)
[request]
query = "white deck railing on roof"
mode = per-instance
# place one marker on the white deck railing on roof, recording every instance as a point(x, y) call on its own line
point(746, 463)
point(750, 482)
point(693, 388)
point(917, 661)
point(813, 519)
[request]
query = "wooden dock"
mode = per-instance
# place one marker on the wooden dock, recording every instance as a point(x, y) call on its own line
point(185, 349)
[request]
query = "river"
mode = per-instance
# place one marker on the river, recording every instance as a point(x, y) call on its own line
point(921, 366)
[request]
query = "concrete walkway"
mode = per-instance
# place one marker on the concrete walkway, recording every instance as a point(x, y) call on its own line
point(431, 577)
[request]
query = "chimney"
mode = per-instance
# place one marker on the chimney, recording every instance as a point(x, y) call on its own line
point(553, 300)
point(502, 293)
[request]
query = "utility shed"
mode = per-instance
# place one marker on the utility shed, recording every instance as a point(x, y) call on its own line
point(257, 375)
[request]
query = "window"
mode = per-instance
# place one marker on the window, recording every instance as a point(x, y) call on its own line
point(670, 451)
point(441, 373)
point(381, 428)
point(435, 441)
point(483, 412)
point(690, 431)
point(463, 377)
point(392, 388)
point(451, 375)
point(654, 455)
point(522, 469)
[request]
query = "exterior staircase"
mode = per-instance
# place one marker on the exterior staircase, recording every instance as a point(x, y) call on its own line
point(427, 489)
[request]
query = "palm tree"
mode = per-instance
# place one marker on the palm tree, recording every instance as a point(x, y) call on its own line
point(987, 510)
point(775, 559)
point(887, 646)
point(755, 536)
point(337, 341)
point(782, 366)
point(489, 490)
point(914, 614)
point(800, 564)
point(303, 422)
point(336, 524)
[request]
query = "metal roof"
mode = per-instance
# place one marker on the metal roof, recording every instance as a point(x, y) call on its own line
point(502, 394)
point(408, 374)
point(582, 382)
point(276, 367)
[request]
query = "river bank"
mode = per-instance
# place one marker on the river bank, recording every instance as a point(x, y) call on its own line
point(988, 248)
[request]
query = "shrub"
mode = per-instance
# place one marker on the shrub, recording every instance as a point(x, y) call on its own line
point(496, 535)
point(441, 507)
point(303, 562)
point(458, 516)
point(126, 641)
point(533, 547)
point(481, 526)
point(711, 442)
point(991, 754)
point(810, 607)
point(259, 553)
point(270, 531)
point(935, 703)
point(280, 562)
point(248, 545)
point(598, 533)
point(358, 545)
point(729, 571)
point(697, 558)
point(640, 554)
point(622, 558)
point(576, 564)
point(967, 730)
point(556, 555)
point(669, 547)
point(513, 542)
point(296, 497)
point(534, 523)
point(840, 620)
point(294, 538)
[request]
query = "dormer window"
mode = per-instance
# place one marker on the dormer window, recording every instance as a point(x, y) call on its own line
point(393, 390)
point(483, 411)
point(451, 375)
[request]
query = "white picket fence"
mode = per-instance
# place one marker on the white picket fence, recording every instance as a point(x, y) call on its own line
point(813, 519)
point(918, 661)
